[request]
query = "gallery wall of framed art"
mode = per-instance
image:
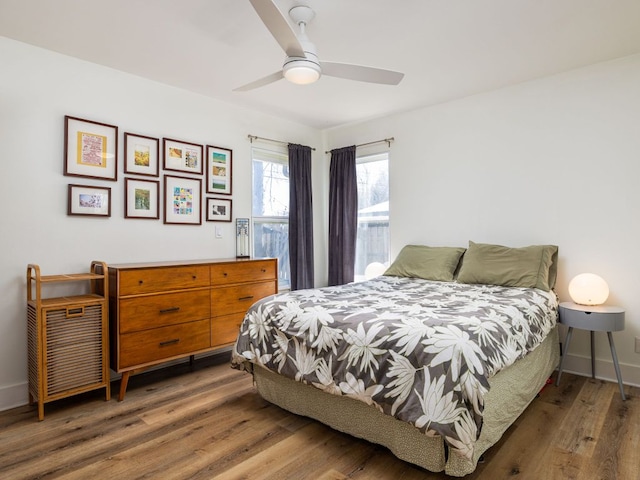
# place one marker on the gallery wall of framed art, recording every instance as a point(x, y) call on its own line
point(181, 181)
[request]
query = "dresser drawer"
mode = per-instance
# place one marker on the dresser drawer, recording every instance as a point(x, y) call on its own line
point(238, 272)
point(224, 330)
point(238, 298)
point(150, 280)
point(149, 346)
point(152, 311)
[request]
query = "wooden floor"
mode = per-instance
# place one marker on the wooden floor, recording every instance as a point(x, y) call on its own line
point(208, 422)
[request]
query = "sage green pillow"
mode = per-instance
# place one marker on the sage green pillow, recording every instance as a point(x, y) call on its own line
point(430, 263)
point(534, 266)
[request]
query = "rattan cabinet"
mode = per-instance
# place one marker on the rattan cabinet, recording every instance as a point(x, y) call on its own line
point(67, 336)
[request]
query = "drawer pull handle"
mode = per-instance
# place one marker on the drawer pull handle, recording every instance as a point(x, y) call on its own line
point(169, 342)
point(170, 310)
point(140, 282)
point(75, 312)
point(194, 277)
point(224, 274)
point(246, 298)
point(264, 270)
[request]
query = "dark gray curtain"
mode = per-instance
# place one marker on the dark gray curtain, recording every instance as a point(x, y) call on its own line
point(343, 215)
point(300, 217)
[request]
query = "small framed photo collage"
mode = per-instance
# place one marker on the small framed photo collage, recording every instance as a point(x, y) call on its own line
point(189, 170)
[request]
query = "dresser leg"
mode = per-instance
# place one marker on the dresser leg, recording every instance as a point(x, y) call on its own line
point(123, 385)
point(615, 364)
point(567, 341)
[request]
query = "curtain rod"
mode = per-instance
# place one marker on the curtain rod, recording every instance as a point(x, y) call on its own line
point(385, 140)
point(254, 137)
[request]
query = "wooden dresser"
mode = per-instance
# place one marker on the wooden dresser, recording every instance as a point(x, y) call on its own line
point(168, 310)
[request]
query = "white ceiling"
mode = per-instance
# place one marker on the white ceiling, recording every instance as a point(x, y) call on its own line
point(447, 48)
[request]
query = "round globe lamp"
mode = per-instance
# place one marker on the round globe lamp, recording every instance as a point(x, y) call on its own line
point(373, 270)
point(588, 289)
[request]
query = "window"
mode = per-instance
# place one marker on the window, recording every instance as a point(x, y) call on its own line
point(270, 209)
point(372, 244)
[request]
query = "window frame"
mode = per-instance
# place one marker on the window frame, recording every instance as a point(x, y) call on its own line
point(371, 156)
point(281, 156)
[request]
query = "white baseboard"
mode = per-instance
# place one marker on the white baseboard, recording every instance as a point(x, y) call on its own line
point(17, 395)
point(581, 365)
point(13, 396)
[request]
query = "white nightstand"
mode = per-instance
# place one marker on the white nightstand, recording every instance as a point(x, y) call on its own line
point(600, 318)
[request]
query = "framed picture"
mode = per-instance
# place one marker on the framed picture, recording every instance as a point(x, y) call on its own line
point(219, 170)
point(90, 149)
point(218, 209)
point(141, 198)
point(88, 200)
point(182, 156)
point(141, 154)
point(182, 200)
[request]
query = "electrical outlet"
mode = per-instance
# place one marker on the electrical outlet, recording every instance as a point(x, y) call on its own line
point(637, 344)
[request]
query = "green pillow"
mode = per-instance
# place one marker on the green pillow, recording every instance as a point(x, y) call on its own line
point(532, 267)
point(430, 263)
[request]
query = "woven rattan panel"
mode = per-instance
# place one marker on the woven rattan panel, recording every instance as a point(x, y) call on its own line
point(74, 349)
point(32, 343)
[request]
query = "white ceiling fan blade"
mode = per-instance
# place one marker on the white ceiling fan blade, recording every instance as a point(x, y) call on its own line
point(274, 77)
point(361, 73)
point(278, 26)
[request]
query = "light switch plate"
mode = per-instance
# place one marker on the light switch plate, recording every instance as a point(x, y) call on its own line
point(218, 231)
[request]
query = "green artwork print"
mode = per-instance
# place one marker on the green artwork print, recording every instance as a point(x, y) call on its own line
point(219, 157)
point(142, 199)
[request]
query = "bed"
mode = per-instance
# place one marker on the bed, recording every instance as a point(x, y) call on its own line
point(434, 360)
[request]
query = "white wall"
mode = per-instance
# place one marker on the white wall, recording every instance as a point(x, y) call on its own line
point(556, 160)
point(37, 89)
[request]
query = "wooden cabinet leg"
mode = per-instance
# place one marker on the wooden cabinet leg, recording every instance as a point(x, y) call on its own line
point(107, 393)
point(123, 385)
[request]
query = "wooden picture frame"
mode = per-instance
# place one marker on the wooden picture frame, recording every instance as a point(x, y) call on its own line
point(89, 200)
point(218, 210)
point(141, 199)
point(182, 156)
point(90, 149)
point(219, 170)
point(141, 155)
point(182, 200)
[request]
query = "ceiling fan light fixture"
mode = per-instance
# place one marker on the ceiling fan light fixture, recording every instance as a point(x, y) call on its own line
point(302, 65)
point(301, 72)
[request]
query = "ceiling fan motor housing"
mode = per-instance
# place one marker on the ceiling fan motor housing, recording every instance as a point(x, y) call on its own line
point(302, 70)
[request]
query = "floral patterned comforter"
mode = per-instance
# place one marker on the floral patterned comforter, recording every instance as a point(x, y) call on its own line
point(418, 350)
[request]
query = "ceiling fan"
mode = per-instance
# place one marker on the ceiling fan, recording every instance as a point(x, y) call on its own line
point(302, 65)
